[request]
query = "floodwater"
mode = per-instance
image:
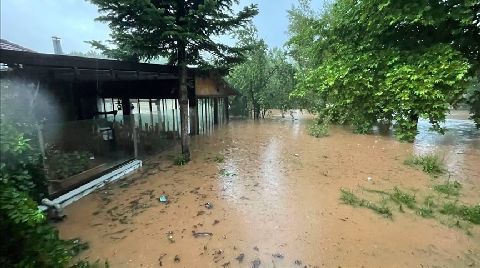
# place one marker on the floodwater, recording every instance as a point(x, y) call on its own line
point(276, 200)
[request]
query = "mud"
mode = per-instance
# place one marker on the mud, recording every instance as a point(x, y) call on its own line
point(276, 203)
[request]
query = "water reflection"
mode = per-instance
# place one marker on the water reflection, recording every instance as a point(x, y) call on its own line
point(461, 137)
point(460, 133)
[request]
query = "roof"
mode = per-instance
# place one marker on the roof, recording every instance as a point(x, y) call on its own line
point(7, 45)
point(139, 77)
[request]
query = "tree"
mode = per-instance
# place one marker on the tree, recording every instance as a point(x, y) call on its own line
point(280, 82)
point(389, 61)
point(180, 30)
point(89, 54)
point(251, 76)
point(27, 241)
point(266, 77)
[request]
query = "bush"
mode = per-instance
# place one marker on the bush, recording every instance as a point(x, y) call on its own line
point(27, 240)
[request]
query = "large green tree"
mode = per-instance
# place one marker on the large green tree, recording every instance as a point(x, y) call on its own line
point(183, 31)
point(393, 61)
point(265, 78)
point(251, 76)
point(280, 83)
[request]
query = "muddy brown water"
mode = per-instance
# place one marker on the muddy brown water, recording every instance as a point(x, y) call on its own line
point(276, 200)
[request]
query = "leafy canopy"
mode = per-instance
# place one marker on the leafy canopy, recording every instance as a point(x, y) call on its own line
point(265, 78)
point(393, 61)
point(147, 29)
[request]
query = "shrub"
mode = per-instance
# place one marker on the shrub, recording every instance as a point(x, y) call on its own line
point(26, 240)
point(318, 130)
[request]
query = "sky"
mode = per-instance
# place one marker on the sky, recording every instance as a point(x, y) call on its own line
point(32, 23)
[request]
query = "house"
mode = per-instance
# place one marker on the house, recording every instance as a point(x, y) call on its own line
point(109, 112)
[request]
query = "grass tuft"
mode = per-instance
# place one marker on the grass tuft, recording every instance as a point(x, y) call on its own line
point(449, 188)
point(351, 199)
point(403, 198)
point(468, 213)
point(425, 212)
point(430, 163)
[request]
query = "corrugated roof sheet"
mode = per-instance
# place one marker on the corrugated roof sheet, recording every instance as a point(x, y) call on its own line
point(4, 44)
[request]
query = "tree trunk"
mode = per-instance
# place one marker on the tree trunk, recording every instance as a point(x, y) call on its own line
point(256, 111)
point(183, 97)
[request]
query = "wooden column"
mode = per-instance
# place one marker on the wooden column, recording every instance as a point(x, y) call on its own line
point(215, 111)
point(194, 126)
point(227, 114)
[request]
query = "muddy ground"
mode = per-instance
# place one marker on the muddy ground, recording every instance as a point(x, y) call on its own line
point(275, 199)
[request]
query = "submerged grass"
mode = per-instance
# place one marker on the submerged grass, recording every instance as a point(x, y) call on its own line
point(449, 188)
point(464, 212)
point(403, 198)
point(461, 215)
point(351, 199)
point(430, 163)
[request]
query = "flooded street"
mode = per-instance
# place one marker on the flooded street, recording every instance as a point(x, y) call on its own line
point(275, 197)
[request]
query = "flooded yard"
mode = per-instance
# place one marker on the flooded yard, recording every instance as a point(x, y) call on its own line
point(273, 199)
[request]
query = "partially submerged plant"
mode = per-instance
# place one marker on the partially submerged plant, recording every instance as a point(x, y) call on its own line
point(430, 163)
point(219, 158)
point(425, 212)
point(464, 212)
point(350, 198)
point(449, 188)
point(403, 198)
point(180, 160)
point(318, 130)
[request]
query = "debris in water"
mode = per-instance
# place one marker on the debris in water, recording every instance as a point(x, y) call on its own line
point(215, 222)
point(200, 234)
point(255, 248)
point(208, 205)
point(176, 259)
point(160, 259)
point(163, 199)
point(240, 257)
point(217, 255)
point(278, 255)
point(256, 263)
point(170, 237)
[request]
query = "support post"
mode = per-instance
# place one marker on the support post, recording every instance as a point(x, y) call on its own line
point(41, 142)
point(215, 111)
point(151, 111)
point(135, 139)
point(227, 114)
point(194, 117)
